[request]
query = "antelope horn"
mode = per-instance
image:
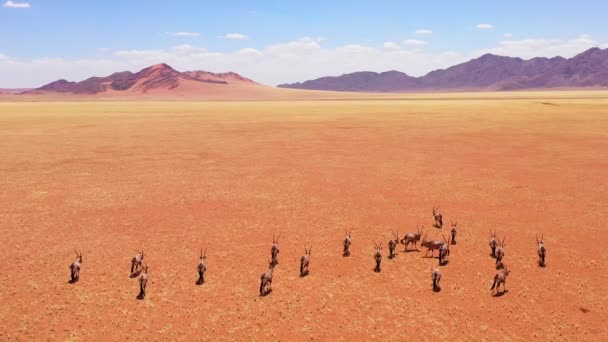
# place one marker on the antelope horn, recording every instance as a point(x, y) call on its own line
point(537, 239)
point(278, 236)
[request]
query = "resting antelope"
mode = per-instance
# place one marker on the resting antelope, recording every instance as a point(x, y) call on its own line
point(201, 268)
point(266, 280)
point(493, 242)
point(500, 278)
point(274, 250)
point(75, 267)
point(143, 282)
point(500, 250)
point(438, 218)
point(412, 238)
point(304, 261)
point(378, 257)
point(431, 246)
point(542, 251)
point(346, 243)
point(436, 276)
point(454, 231)
point(392, 245)
point(444, 251)
point(136, 263)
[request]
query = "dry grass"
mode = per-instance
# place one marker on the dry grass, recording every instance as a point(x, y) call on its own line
point(111, 177)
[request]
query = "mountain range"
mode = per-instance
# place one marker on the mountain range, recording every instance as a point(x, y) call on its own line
point(160, 77)
point(486, 73)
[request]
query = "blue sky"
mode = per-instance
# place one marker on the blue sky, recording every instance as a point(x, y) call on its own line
point(282, 41)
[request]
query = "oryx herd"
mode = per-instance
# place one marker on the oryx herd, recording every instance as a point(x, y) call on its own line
point(497, 250)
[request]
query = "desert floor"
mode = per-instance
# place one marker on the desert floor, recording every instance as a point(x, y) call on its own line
point(172, 177)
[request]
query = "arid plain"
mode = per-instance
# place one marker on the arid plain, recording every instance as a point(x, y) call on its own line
point(172, 177)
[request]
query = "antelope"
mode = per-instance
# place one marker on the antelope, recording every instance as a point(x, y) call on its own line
point(412, 238)
point(500, 278)
point(542, 251)
point(136, 263)
point(500, 265)
point(454, 231)
point(500, 250)
point(438, 218)
point(436, 276)
point(143, 282)
point(202, 267)
point(346, 243)
point(274, 250)
point(304, 261)
point(392, 245)
point(378, 257)
point(266, 280)
point(431, 245)
point(444, 250)
point(493, 242)
point(75, 267)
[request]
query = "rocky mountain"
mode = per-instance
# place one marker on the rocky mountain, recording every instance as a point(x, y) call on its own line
point(488, 72)
point(154, 78)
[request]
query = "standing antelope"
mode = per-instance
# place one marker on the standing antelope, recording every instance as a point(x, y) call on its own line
point(438, 218)
point(304, 261)
point(266, 280)
point(346, 243)
point(412, 238)
point(444, 251)
point(431, 246)
point(143, 282)
point(500, 265)
point(500, 250)
point(75, 267)
point(493, 242)
point(202, 267)
point(542, 251)
point(136, 263)
point(454, 231)
point(274, 250)
point(392, 245)
point(378, 257)
point(500, 278)
point(436, 276)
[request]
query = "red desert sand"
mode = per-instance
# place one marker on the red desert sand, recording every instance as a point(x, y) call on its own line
point(170, 178)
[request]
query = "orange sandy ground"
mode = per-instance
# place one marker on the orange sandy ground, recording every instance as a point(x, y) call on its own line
point(108, 178)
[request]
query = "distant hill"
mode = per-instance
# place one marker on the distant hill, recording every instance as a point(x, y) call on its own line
point(488, 72)
point(156, 78)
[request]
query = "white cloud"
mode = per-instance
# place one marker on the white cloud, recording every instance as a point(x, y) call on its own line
point(507, 35)
point(424, 31)
point(485, 26)
point(234, 36)
point(414, 42)
point(12, 4)
point(248, 52)
point(542, 47)
point(102, 50)
point(390, 46)
point(184, 34)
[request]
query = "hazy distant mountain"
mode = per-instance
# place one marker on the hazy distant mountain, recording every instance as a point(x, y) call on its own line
point(488, 72)
point(160, 77)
